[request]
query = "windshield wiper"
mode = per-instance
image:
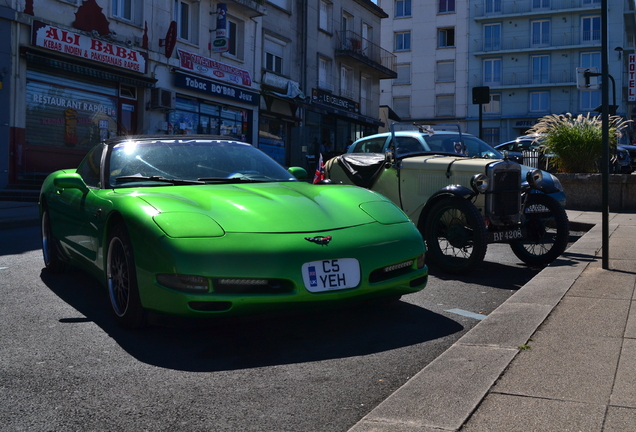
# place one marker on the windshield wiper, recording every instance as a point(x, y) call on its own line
point(232, 180)
point(158, 179)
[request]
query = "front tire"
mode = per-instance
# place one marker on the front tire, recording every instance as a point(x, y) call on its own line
point(456, 236)
point(50, 249)
point(121, 280)
point(547, 231)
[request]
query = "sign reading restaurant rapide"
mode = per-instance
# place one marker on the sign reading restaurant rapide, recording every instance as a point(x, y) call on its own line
point(79, 45)
point(213, 69)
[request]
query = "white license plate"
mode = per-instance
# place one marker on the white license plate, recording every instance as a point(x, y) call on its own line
point(506, 236)
point(331, 275)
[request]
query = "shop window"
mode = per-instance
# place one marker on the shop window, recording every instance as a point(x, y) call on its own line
point(192, 116)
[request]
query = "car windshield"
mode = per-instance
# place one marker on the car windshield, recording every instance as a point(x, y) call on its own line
point(190, 161)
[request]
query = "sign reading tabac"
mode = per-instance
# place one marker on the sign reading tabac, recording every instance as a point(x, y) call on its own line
point(213, 69)
point(79, 45)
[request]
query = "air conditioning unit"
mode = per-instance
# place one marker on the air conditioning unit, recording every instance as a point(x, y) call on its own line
point(161, 99)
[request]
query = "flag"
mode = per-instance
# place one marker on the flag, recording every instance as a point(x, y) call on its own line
point(320, 170)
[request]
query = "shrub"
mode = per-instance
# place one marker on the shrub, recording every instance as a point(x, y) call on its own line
point(577, 142)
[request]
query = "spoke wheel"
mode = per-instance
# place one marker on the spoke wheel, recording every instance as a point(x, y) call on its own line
point(456, 236)
point(50, 249)
point(547, 231)
point(121, 279)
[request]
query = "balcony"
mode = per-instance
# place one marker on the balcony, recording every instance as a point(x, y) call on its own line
point(252, 8)
point(537, 42)
point(370, 57)
point(497, 8)
point(529, 79)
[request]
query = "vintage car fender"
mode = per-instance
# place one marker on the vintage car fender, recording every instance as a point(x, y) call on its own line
point(448, 191)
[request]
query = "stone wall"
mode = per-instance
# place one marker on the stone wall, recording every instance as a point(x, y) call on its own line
point(585, 191)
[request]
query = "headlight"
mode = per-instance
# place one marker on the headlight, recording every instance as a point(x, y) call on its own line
point(557, 182)
point(480, 183)
point(535, 178)
point(187, 283)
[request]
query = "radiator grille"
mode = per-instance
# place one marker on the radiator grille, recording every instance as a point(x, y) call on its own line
point(505, 193)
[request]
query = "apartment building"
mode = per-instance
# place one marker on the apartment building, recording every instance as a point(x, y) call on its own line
point(525, 52)
point(278, 74)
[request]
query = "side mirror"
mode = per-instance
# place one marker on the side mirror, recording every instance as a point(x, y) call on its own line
point(298, 172)
point(70, 181)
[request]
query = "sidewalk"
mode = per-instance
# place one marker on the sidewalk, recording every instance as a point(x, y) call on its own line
point(559, 355)
point(15, 214)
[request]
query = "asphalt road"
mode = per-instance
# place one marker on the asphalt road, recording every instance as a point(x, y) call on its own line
point(65, 366)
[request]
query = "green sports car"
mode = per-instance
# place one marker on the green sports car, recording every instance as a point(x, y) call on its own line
point(202, 226)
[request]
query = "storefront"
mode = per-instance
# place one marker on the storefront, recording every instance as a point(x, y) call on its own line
point(211, 106)
point(72, 104)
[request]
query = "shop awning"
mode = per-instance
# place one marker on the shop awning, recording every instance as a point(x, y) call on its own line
point(50, 61)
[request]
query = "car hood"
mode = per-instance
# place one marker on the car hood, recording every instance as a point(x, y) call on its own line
point(262, 207)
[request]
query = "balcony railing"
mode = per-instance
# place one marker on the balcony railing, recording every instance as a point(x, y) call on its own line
point(496, 7)
point(514, 79)
point(554, 40)
point(362, 49)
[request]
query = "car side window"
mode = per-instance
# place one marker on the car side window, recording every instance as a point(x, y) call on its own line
point(408, 145)
point(89, 169)
point(372, 145)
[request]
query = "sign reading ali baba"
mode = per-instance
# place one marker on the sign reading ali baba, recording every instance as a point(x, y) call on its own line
point(79, 45)
point(213, 69)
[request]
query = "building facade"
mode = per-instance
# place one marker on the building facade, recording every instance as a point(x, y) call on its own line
point(524, 53)
point(74, 72)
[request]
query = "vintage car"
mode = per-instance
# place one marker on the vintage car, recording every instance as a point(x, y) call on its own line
point(204, 226)
point(461, 199)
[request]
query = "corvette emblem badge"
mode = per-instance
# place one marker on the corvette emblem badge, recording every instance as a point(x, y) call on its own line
point(323, 241)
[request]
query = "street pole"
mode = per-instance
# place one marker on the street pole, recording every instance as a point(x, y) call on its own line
point(605, 133)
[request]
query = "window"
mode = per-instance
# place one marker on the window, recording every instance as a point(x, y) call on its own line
point(404, 74)
point(540, 4)
point(494, 106)
point(492, 6)
point(346, 82)
point(186, 16)
point(540, 69)
point(591, 27)
point(402, 8)
point(590, 99)
point(123, 9)
point(365, 94)
point(539, 101)
point(235, 30)
point(347, 23)
point(446, 37)
point(274, 54)
point(324, 73)
point(325, 16)
point(445, 71)
point(492, 37)
point(402, 106)
point(492, 71)
point(445, 105)
point(540, 33)
point(403, 41)
point(446, 6)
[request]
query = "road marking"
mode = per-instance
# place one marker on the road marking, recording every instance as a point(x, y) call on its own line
point(467, 314)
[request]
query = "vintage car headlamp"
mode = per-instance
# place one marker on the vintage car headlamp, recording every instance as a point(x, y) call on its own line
point(480, 183)
point(535, 178)
point(187, 283)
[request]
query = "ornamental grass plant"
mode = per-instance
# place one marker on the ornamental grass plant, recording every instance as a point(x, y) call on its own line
point(577, 142)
